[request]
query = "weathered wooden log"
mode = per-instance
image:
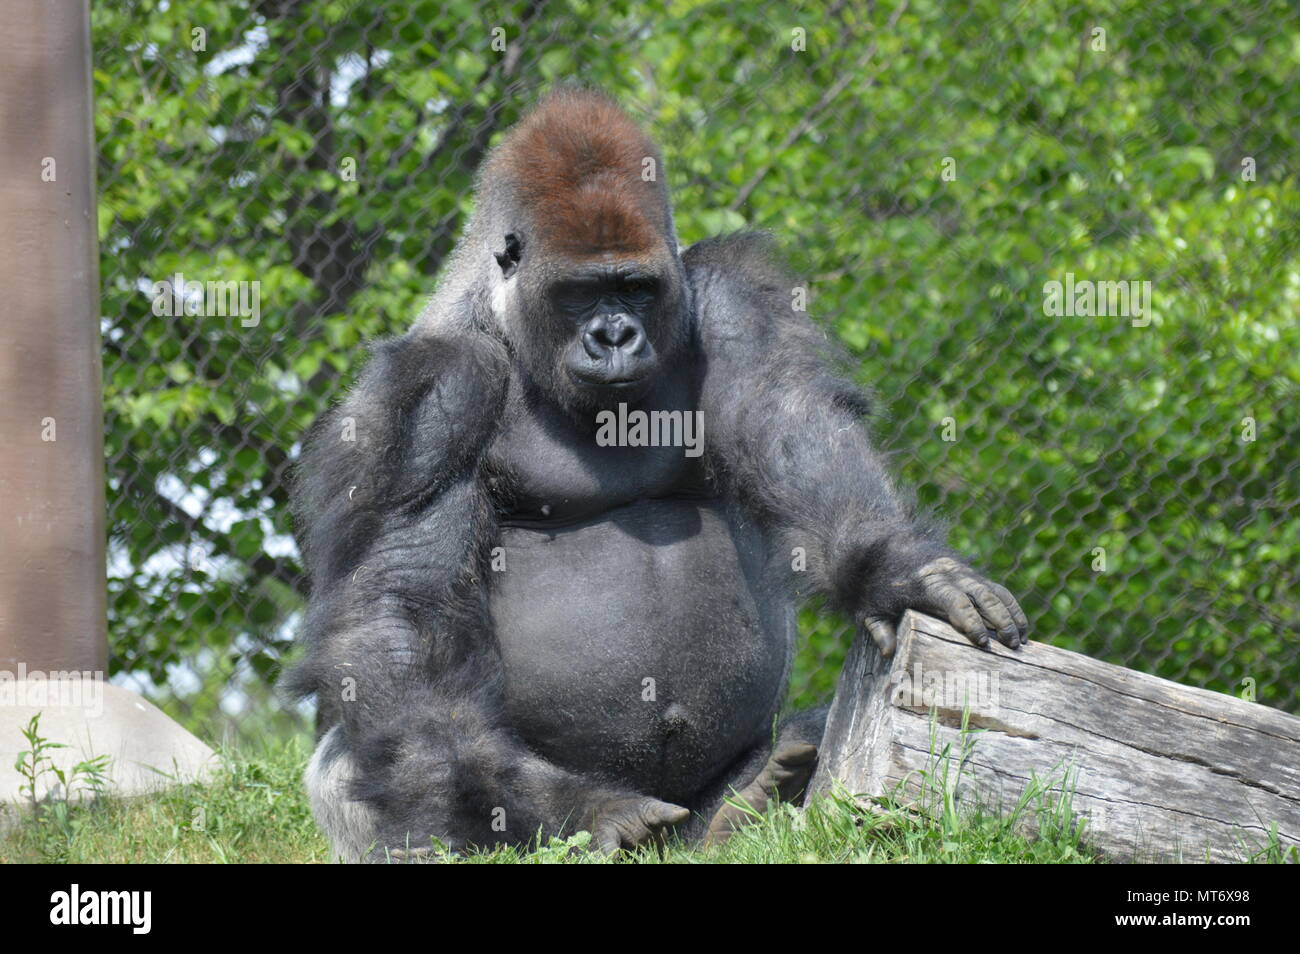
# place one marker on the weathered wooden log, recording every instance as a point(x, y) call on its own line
point(1162, 771)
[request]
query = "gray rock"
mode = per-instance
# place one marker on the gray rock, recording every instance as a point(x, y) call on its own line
point(147, 749)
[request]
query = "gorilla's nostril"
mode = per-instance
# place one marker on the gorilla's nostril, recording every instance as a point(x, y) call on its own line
point(594, 347)
point(617, 333)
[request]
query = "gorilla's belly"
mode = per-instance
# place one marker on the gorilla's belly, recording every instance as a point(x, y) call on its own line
point(644, 645)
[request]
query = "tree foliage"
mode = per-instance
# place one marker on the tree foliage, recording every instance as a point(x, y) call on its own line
point(928, 166)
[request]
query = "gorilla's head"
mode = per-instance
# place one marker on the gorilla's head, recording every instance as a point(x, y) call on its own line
point(589, 288)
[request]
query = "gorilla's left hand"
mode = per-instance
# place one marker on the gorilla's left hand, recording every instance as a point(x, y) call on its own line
point(978, 608)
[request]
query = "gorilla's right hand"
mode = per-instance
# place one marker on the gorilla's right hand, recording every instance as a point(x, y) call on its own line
point(468, 781)
point(628, 822)
point(617, 822)
point(978, 608)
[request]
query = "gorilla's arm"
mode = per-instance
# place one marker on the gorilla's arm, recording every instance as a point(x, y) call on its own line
point(786, 432)
point(395, 526)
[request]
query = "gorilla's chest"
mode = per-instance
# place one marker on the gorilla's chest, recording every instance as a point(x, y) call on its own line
point(639, 629)
point(644, 642)
point(560, 471)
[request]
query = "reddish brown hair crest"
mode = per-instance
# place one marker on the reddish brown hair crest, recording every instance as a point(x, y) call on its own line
point(575, 164)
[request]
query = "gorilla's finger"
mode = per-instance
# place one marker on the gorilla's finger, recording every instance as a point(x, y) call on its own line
point(607, 839)
point(965, 618)
point(994, 612)
point(795, 753)
point(655, 813)
point(882, 631)
point(1022, 621)
point(635, 835)
point(410, 854)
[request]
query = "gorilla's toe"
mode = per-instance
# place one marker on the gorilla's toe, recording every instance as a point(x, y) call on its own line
point(783, 778)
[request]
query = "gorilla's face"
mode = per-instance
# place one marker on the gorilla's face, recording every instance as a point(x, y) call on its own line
point(596, 332)
point(608, 310)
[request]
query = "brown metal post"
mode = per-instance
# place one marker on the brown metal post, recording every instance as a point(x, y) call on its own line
point(52, 586)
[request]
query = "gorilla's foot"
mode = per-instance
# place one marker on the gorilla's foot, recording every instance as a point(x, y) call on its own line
point(631, 822)
point(782, 779)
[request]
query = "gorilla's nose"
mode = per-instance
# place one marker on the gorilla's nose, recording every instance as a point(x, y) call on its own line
point(605, 334)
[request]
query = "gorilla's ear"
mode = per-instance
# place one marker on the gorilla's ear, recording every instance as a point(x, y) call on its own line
point(509, 259)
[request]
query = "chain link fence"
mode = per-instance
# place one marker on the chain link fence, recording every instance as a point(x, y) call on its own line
point(1059, 240)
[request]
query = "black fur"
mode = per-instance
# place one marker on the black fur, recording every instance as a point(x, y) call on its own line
point(788, 437)
point(513, 631)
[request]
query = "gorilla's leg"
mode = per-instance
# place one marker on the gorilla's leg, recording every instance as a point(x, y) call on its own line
point(350, 825)
point(778, 772)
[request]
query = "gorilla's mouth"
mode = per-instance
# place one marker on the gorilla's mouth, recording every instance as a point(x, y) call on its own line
point(618, 371)
point(612, 352)
point(600, 377)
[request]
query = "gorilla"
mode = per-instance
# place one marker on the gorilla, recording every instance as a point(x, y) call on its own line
point(557, 531)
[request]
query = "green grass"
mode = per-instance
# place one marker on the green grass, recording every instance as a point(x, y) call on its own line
point(255, 810)
point(835, 830)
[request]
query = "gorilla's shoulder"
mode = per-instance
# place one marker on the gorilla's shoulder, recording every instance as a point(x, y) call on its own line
point(425, 353)
point(738, 281)
point(741, 256)
point(464, 364)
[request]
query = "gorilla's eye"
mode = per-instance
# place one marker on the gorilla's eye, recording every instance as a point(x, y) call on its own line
point(509, 259)
point(576, 296)
point(638, 289)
